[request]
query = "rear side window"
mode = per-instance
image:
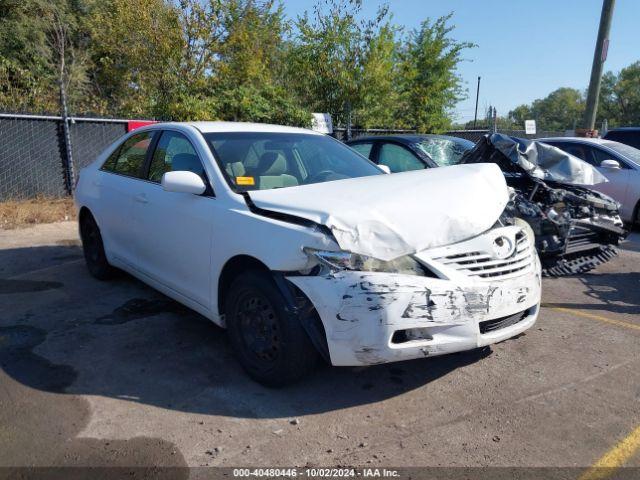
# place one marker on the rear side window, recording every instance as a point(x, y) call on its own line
point(398, 158)
point(363, 149)
point(174, 152)
point(129, 158)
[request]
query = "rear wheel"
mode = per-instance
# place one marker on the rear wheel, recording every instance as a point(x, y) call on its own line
point(268, 340)
point(93, 248)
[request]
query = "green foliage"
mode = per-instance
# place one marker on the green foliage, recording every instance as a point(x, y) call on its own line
point(226, 59)
point(620, 97)
point(562, 109)
point(430, 87)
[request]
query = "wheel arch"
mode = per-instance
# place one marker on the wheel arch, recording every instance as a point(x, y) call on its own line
point(297, 302)
point(231, 269)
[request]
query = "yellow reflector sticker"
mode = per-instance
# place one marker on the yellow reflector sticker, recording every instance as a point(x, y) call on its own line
point(245, 181)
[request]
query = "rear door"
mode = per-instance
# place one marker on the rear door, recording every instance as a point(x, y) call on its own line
point(173, 245)
point(117, 182)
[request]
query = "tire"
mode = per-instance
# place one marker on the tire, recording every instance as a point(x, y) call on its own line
point(93, 249)
point(268, 340)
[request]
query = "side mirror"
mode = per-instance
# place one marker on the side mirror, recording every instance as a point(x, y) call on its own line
point(384, 168)
point(183, 181)
point(611, 164)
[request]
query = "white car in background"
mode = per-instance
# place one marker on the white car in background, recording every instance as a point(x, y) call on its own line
point(618, 162)
point(301, 247)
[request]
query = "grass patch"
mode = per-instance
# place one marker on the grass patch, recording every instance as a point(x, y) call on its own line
point(23, 213)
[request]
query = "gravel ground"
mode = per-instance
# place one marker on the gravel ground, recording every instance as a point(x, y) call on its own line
point(114, 373)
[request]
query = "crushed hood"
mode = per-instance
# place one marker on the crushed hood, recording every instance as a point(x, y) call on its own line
point(388, 216)
point(545, 161)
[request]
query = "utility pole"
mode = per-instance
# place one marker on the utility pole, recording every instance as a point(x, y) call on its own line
point(475, 117)
point(599, 57)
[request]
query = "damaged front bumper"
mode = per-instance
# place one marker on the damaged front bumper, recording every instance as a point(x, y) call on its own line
point(372, 317)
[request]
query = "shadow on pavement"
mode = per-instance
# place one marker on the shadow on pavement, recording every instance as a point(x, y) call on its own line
point(123, 340)
point(615, 293)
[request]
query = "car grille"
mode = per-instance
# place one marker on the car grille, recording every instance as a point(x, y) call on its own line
point(503, 322)
point(485, 265)
point(581, 238)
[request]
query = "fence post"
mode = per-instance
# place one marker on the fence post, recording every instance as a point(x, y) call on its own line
point(66, 138)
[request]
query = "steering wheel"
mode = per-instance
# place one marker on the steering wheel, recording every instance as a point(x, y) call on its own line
point(320, 176)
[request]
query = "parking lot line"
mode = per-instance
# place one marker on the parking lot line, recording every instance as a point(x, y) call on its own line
point(614, 458)
point(600, 318)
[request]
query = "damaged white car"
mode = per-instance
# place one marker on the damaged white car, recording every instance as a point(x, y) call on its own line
point(302, 248)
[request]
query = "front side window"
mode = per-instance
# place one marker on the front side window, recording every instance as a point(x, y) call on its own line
point(398, 158)
point(174, 152)
point(577, 150)
point(363, 149)
point(444, 151)
point(130, 157)
point(627, 151)
point(262, 160)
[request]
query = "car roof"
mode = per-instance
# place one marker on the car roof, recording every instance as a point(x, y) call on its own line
point(211, 127)
point(624, 129)
point(402, 137)
point(595, 141)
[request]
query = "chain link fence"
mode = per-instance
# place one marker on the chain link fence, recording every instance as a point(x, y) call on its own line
point(33, 159)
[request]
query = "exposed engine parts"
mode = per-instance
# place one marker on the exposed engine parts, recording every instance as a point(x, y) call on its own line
point(576, 228)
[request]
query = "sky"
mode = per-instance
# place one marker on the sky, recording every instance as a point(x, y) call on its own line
point(526, 49)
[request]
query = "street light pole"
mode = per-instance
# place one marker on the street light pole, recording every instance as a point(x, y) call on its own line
point(475, 117)
point(599, 57)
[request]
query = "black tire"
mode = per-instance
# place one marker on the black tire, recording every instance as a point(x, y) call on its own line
point(269, 341)
point(93, 249)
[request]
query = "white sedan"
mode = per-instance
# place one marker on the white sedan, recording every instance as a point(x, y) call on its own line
point(302, 248)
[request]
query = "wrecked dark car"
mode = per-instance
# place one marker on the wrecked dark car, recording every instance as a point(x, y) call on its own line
point(576, 229)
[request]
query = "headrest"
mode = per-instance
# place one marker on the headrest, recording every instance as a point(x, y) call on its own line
point(187, 161)
point(235, 169)
point(271, 163)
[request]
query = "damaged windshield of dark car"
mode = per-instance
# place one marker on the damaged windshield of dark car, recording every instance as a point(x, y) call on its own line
point(262, 160)
point(445, 151)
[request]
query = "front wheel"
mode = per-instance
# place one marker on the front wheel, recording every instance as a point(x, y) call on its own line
point(93, 248)
point(268, 340)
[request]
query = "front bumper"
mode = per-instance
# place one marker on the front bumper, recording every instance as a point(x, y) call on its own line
point(361, 312)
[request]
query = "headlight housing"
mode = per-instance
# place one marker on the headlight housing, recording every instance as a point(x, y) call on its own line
point(336, 261)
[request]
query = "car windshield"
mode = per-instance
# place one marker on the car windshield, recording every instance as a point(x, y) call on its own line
point(261, 160)
point(626, 151)
point(445, 151)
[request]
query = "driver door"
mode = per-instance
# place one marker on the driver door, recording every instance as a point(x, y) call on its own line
point(173, 243)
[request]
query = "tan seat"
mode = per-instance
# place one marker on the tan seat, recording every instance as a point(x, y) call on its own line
point(271, 172)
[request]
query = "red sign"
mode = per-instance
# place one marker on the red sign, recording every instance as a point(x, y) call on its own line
point(133, 124)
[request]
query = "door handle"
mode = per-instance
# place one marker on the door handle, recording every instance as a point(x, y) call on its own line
point(142, 198)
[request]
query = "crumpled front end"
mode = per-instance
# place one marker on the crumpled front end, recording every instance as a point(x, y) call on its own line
point(474, 294)
point(576, 228)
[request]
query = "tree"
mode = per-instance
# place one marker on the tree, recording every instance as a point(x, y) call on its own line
point(619, 100)
point(558, 111)
point(136, 49)
point(429, 84)
point(41, 55)
point(247, 77)
point(333, 55)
